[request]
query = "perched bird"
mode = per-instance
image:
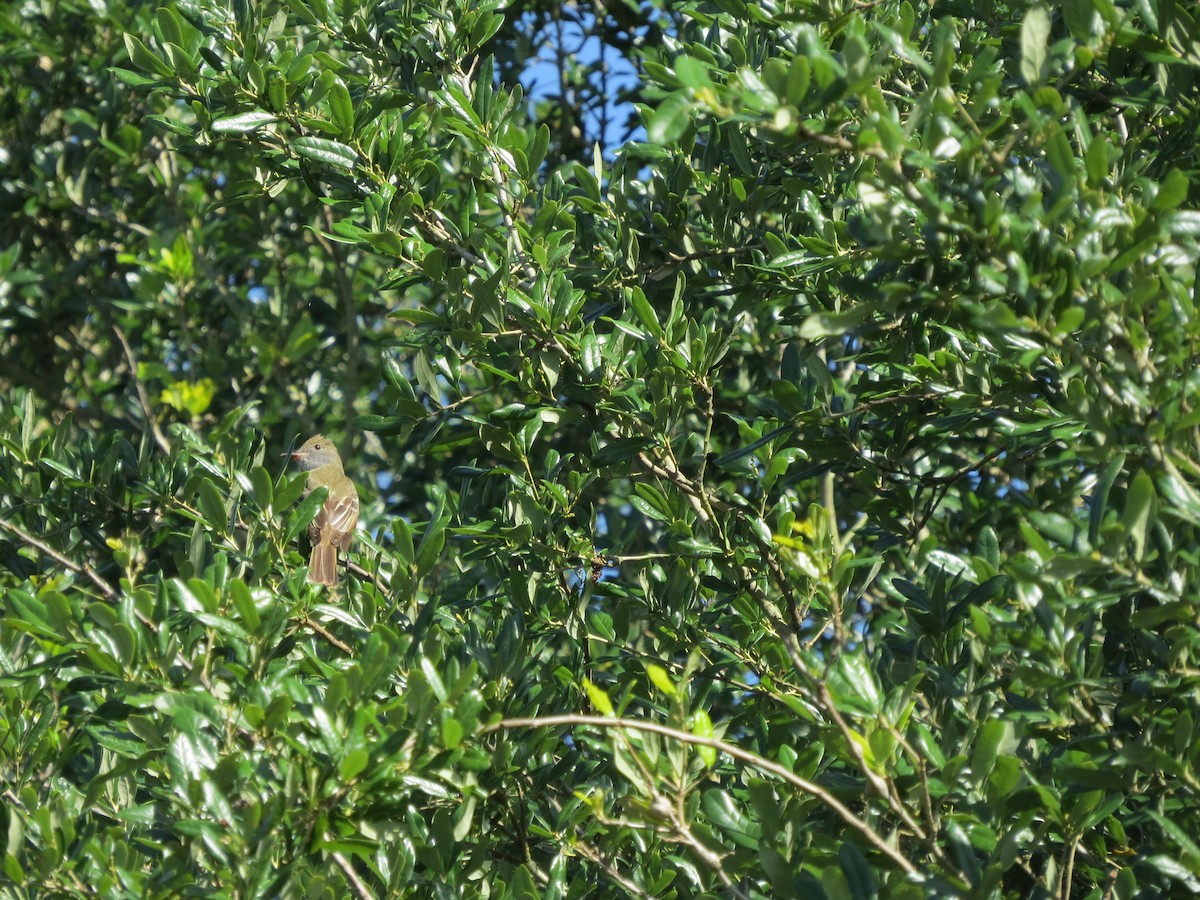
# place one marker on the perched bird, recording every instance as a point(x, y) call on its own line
point(333, 525)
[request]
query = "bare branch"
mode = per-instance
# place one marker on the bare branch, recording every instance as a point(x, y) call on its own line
point(870, 834)
point(79, 568)
point(143, 398)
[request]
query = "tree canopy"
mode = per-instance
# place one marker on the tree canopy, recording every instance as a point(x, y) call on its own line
point(777, 438)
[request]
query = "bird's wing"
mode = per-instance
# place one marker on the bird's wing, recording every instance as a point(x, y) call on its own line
point(341, 515)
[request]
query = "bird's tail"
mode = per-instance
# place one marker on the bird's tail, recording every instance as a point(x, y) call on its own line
point(322, 564)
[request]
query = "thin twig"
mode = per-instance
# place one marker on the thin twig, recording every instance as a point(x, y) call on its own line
point(360, 889)
point(159, 438)
point(105, 588)
point(884, 787)
point(870, 834)
point(591, 854)
point(320, 629)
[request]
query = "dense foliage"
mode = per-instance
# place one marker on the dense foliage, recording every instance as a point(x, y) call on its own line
point(797, 497)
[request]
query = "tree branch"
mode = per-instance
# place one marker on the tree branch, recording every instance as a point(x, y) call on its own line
point(870, 834)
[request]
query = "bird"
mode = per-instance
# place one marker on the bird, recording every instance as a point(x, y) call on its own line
point(333, 525)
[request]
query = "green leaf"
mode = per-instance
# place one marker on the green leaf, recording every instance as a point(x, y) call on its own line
point(185, 66)
point(964, 854)
point(385, 425)
point(304, 11)
point(485, 28)
point(1070, 320)
point(853, 682)
point(727, 815)
point(133, 79)
point(1035, 35)
point(1186, 845)
point(1082, 20)
point(243, 601)
point(326, 151)
point(621, 450)
point(1172, 191)
point(404, 541)
point(434, 538)
point(1098, 503)
point(660, 679)
point(353, 763)
point(140, 56)
point(695, 547)
point(243, 122)
point(799, 75)
point(649, 510)
point(535, 153)
point(452, 733)
point(1005, 777)
point(992, 734)
point(263, 487)
point(1095, 160)
point(341, 108)
point(598, 698)
point(523, 886)
point(774, 434)
point(645, 312)
point(859, 876)
point(1139, 516)
point(702, 726)
point(212, 506)
point(170, 126)
point(692, 73)
point(394, 375)
point(1060, 154)
point(304, 511)
point(671, 119)
point(835, 324)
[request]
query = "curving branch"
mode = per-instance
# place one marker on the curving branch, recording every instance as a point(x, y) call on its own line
point(765, 765)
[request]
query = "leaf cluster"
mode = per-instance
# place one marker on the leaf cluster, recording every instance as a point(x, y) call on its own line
point(800, 501)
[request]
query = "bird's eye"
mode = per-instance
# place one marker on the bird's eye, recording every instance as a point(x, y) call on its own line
point(316, 446)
